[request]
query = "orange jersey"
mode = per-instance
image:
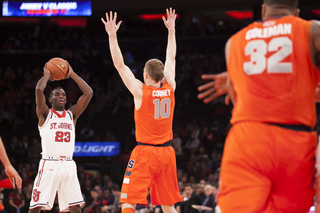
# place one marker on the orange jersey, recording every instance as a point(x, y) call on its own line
point(272, 73)
point(154, 118)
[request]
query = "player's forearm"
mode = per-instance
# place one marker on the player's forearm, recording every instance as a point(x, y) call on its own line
point(42, 83)
point(3, 155)
point(116, 54)
point(171, 49)
point(171, 46)
point(84, 87)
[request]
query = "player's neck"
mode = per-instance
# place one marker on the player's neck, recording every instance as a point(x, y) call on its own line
point(153, 83)
point(58, 109)
point(276, 13)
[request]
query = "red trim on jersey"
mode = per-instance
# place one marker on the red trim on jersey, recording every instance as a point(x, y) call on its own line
point(44, 162)
point(59, 116)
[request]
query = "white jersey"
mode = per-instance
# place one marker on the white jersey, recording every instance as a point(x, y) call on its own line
point(57, 171)
point(58, 134)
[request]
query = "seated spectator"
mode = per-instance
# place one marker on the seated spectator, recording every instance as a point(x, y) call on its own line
point(25, 179)
point(192, 143)
point(115, 207)
point(107, 198)
point(86, 191)
point(96, 194)
point(1, 196)
point(27, 192)
point(176, 143)
point(34, 152)
point(209, 203)
point(190, 198)
point(200, 191)
point(141, 208)
point(16, 202)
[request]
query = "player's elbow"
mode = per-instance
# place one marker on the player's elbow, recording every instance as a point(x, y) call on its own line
point(90, 93)
point(118, 64)
point(39, 88)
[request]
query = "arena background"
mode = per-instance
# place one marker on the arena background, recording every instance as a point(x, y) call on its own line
point(202, 29)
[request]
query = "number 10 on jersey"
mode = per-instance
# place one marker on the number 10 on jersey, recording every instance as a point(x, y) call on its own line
point(161, 108)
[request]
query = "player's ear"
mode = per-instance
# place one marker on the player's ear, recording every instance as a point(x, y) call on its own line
point(50, 100)
point(297, 12)
point(263, 10)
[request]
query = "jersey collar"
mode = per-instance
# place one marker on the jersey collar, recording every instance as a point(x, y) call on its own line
point(59, 116)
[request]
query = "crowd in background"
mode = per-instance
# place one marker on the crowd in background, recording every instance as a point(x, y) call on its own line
point(199, 129)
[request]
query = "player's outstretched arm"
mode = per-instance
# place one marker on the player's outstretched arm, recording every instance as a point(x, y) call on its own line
point(213, 89)
point(10, 171)
point(133, 84)
point(170, 63)
point(84, 99)
point(314, 40)
point(42, 109)
point(220, 85)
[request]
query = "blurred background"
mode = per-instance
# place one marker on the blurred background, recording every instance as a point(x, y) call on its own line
point(29, 39)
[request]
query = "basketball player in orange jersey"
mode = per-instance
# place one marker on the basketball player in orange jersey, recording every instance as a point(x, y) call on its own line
point(57, 170)
point(9, 170)
point(268, 159)
point(152, 163)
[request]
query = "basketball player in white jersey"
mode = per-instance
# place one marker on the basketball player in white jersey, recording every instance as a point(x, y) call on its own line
point(57, 171)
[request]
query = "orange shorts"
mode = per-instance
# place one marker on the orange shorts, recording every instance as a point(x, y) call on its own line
point(154, 168)
point(267, 168)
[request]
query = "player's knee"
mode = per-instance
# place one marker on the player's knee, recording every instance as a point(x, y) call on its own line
point(168, 209)
point(35, 210)
point(75, 209)
point(128, 208)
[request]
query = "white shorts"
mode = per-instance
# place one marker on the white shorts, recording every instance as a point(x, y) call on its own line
point(56, 176)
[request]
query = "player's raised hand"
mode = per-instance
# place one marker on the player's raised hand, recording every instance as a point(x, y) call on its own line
point(171, 18)
point(70, 70)
point(47, 72)
point(215, 88)
point(110, 23)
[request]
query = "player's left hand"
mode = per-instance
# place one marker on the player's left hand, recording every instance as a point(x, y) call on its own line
point(171, 18)
point(110, 25)
point(215, 88)
point(13, 176)
point(70, 70)
point(47, 72)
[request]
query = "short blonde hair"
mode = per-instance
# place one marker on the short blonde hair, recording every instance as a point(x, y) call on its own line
point(155, 69)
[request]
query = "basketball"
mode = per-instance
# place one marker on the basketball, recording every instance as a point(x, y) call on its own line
point(58, 68)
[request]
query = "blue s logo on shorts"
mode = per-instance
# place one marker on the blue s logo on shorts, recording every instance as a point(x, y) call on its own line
point(130, 164)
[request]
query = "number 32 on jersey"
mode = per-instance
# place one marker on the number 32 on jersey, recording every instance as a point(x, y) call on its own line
point(258, 49)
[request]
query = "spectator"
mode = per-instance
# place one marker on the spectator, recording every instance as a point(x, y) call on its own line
point(96, 195)
point(27, 192)
point(108, 197)
point(209, 203)
point(189, 198)
point(1, 196)
point(86, 191)
point(192, 143)
point(115, 207)
point(176, 143)
point(16, 202)
point(34, 151)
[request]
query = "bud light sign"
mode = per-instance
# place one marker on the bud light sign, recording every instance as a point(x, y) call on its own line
point(96, 149)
